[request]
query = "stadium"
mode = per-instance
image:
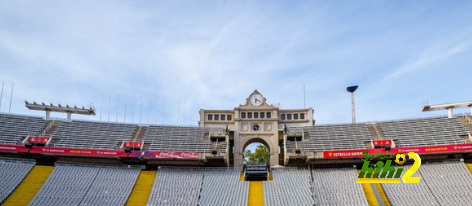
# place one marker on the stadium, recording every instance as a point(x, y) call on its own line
point(48, 161)
point(235, 103)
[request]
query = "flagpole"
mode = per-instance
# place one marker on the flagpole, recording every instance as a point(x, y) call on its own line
point(101, 109)
point(140, 109)
point(11, 96)
point(1, 96)
point(116, 114)
point(132, 108)
point(126, 102)
point(149, 108)
point(109, 106)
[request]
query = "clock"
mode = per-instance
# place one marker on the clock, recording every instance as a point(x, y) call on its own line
point(256, 100)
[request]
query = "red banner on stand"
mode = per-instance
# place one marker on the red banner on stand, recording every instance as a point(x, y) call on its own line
point(434, 149)
point(133, 144)
point(174, 155)
point(349, 153)
point(380, 143)
point(38, 140)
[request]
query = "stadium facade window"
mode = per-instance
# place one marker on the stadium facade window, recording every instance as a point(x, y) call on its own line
point(295, 116)
point(262, 115)
point(210, 117)
point(223, 117)
point(289, 116)
point(282, 116)
point(229, 117)
point(217, 117)
point(249, 115)
point(256, 114)
point(243, 115)
point(302, 116)
point(268, 115)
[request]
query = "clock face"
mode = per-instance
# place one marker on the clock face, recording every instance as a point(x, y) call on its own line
point(256, 100)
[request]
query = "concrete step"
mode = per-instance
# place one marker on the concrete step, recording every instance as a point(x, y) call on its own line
point(26, 191)
point(376, 132)
point(142, 189)
point(256, 194)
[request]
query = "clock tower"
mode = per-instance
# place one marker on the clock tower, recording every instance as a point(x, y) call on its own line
point(255, 121)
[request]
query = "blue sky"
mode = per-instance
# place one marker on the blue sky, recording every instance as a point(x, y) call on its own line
point(213, 54)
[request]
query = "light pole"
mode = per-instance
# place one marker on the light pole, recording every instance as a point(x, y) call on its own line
point(351, 90)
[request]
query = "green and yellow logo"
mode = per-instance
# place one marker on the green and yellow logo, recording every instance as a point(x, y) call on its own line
point(388, 174)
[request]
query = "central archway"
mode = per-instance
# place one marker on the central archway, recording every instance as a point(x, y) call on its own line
point(259, 153)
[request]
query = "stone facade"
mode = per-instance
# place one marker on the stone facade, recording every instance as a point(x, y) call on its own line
point(256, 121)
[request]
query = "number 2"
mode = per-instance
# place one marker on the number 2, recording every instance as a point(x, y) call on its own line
point(407, 177)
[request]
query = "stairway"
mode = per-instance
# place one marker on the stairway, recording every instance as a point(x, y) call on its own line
point(32, 183)
point(142, 189)
point(139, 135)
point(467, 122)
point(49, 130)
point(241, 177)
point(377, 134)
point(52, 126)
point(256, 194)
point(469, 166)
point(382, 194)
point(374, 194)
point(369, 194)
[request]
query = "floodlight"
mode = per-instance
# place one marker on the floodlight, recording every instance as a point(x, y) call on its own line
point(352, 89)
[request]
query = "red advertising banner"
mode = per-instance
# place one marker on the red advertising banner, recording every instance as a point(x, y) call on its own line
point(380, 143)
point(174, 155)
point(38, 140)
point(349, 153)
point(133, 144)
point(12, 149)
point(75, 152)
point(434, 149)
point(98, 153)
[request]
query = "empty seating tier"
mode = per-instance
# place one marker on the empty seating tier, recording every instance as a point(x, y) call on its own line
point(170, 138)
point(29, 187)
point(337, 187)
point(441, 184)
point(176, 187)
point(76, 184)
point(15, 127)
point(93, 135)
point(450, 183)
point(424, 132)
point(12, 172)
point(289, 187)
point(222, 187)
point(336, 137)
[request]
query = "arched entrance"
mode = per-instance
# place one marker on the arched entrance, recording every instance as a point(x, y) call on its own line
point(256, 151)
point(243, 141)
